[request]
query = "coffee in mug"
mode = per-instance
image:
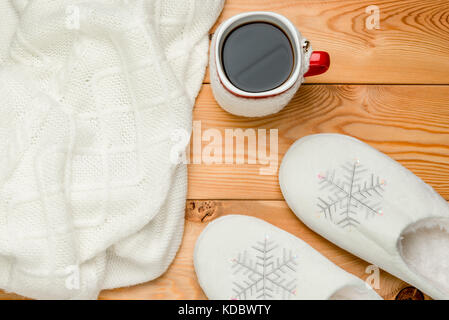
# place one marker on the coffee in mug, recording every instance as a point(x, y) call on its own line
point(257, 57)
point(258, 60)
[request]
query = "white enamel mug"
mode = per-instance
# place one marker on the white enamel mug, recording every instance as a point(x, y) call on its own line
point(257, 104)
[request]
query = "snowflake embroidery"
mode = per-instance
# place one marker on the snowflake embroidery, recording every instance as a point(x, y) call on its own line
point(354, 192)
point(266, 276)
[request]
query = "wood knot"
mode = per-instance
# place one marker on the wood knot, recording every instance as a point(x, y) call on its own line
point(201, 210)
point(410, 293)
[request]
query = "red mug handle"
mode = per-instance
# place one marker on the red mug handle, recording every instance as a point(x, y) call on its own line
point(319, 63)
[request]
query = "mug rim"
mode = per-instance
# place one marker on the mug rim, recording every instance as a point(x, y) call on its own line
point(265, 16)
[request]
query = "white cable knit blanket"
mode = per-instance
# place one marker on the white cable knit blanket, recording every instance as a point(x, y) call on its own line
point(90, 93)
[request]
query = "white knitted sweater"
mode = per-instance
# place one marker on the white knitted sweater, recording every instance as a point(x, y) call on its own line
point(90, 94)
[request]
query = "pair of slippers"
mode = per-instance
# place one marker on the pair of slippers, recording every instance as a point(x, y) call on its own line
point(354, 196)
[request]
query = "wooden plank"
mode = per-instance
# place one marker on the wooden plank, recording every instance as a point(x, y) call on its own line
point(411, 46)
point(407, 122)
point(10, 296)
point(179, 282)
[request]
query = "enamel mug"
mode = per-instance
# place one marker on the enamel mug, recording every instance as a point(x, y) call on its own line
point(256, 104)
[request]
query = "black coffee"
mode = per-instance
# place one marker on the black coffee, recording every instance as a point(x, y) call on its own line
point(257, 57)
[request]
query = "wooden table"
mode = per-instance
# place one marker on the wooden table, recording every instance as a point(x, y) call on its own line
point(388, 87)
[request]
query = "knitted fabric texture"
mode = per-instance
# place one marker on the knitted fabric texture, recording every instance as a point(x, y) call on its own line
point(91, 93)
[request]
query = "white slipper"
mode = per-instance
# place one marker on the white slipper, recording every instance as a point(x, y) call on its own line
point(239, 257)
point(367, 203)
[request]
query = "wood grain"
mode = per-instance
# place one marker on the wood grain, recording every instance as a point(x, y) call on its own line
point(179, 282)
point(411, 46)
point(407, 122)
point(410, 293)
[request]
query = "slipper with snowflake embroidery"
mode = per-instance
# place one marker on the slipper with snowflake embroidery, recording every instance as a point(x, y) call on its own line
point(370, 205)
point(240, 258)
